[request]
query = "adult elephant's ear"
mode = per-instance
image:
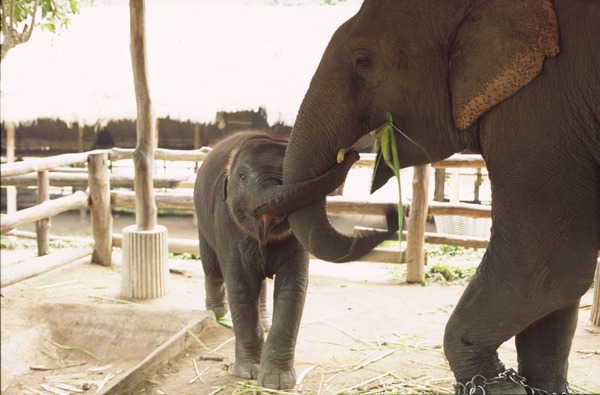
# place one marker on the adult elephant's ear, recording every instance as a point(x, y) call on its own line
point(498, 49)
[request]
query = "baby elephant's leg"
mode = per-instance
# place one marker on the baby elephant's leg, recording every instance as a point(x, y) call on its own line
point(243, 296)
point(277, 363)
point(214, 284)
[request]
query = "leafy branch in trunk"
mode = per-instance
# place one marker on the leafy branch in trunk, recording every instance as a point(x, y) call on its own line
point(386, 140)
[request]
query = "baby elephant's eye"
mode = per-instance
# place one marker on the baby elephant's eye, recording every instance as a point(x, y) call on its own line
point(243, 176)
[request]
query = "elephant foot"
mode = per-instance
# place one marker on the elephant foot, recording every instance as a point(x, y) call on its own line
point(507, 382)
point(277, 379)
point(245, 370)
point(219, 308)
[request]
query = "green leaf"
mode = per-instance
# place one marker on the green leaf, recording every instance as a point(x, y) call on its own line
point(48, 27)
point(384, 136)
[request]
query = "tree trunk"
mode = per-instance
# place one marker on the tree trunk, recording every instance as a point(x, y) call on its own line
point(144, 272)
point(143, 156)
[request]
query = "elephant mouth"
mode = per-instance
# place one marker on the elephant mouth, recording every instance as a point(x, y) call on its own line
point(271, 228)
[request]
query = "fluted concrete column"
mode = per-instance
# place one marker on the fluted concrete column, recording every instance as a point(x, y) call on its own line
point(145, 268)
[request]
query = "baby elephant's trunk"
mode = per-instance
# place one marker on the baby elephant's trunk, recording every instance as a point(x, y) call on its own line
point(284, 199)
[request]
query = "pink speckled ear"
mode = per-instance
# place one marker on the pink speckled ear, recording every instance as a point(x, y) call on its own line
point(498, 49)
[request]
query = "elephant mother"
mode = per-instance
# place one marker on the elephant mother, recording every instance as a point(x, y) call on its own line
point(517, 81)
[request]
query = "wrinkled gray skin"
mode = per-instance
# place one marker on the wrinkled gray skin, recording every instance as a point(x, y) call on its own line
point(240, 248)
point(517, 81)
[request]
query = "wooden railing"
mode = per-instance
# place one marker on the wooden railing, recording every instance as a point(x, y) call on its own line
point(99, 198)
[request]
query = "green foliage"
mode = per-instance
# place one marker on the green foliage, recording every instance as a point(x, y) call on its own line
point(446, 273)
point(439, 250)
point(54, 13)
point(19, 17)
point(184, 255)
point(12, 243)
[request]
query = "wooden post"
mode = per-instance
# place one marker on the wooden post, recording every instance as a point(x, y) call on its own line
point(415, 240)
point(102, 221)
point(477, 186)
point(11, 192)
point(440, 185)
point(595, 314)
point(42, 227)
point(80, 148)
point(197, 145)
point(197, 136)
point(145, 248)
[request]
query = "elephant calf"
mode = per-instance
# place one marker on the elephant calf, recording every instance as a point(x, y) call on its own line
point(240, 247)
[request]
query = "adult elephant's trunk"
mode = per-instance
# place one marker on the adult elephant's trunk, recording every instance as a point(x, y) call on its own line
point(317, 138)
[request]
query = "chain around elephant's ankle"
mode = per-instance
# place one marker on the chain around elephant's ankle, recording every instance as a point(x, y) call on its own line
point(482, 385)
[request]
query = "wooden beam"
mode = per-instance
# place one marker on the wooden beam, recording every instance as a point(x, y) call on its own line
point(44, 210)
point(34, 267)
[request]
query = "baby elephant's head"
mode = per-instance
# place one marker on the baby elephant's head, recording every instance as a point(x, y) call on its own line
point(254, 169)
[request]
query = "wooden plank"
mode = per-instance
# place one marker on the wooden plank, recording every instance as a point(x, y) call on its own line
point(80, 180)
point(178, 343)
point(459, 161)
point(460, 209)
point(47, 209)
point(34, 267)
point(163, 200)
point(196, 155)
point(40, 164)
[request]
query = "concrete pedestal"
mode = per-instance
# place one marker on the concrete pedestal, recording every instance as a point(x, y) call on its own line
point(145, 263)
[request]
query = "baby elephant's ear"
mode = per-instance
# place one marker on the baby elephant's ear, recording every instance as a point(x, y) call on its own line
point(498, 49)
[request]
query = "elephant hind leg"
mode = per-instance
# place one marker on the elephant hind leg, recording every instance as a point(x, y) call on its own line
point(495, 308)
point(216, 299)
point(544, 346)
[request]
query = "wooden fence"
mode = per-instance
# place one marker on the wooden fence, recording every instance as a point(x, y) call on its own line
point(93, 190)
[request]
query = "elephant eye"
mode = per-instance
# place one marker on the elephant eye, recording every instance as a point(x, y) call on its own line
point(243, 176)
point(363, 62)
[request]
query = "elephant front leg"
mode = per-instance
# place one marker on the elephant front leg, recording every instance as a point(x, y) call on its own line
point(249, 339)
point(277, 364)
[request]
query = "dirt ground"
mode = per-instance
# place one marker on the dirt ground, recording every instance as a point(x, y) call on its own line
point(364, 330)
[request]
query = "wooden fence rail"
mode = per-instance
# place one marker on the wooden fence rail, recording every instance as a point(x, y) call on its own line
point(46, 171)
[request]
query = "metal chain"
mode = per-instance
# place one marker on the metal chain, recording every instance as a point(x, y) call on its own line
point(477, 385)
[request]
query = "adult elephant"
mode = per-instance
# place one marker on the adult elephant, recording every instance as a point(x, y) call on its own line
point(517, 81)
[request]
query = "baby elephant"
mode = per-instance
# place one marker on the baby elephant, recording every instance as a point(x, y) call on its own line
point(240, 247)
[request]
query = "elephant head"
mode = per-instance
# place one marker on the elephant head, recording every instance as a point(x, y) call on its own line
point(257, 200)
point(436, 67)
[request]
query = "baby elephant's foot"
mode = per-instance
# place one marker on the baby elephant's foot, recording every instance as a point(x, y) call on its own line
point(245, 370)
point(277, 379)
point(219, 308)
